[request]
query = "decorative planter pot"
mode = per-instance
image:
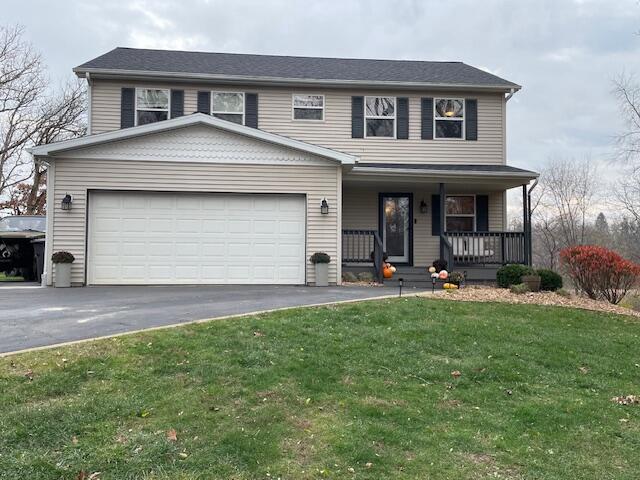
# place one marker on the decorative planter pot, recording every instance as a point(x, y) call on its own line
point(62, 277)
point(532, 282)
point(322, 274)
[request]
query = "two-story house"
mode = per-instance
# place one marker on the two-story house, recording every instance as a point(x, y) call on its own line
point(226, 168)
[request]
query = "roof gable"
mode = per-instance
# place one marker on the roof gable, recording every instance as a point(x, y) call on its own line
point(274, 68)
point(193, 138)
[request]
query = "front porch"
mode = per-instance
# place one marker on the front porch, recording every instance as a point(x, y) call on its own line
point(400, 215)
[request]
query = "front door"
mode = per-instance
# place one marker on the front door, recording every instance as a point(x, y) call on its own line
point(395, 223)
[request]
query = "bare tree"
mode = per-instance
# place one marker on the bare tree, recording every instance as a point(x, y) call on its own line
point(31, 113)
point(561, 207)
point(627, 91)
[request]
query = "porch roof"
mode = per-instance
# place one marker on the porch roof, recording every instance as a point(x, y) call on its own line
point(506, 175)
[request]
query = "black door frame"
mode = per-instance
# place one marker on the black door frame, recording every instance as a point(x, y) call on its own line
point(381, 196)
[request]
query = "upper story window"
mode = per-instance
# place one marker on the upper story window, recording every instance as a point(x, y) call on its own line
point(460, 213)
point(380, 116)
point(228, 106)
point(449, 117)
point(152, 105)
point(308, 107)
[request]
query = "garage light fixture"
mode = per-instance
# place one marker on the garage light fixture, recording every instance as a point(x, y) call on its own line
point(66, 202)
point(324, 207)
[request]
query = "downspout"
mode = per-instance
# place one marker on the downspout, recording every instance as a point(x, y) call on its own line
point(509, 95)
point(89, 101)
point(529, 215)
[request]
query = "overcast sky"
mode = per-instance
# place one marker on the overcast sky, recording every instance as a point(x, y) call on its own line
point(564, 53)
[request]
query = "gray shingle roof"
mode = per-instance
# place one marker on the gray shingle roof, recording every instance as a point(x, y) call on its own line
point(335, 70)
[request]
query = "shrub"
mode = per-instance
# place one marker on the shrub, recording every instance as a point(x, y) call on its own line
point(62, 257)
point(519, 288)
point(508, 275)
point(440, 264)
point(365, 277)
point(549, 280)
point(349, 277)
point(456, 277)
point(320, 257)
point(599, 272)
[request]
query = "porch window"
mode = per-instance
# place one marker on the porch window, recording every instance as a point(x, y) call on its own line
point(152, 105)
point(228, 106)
point(460, 213)
point(449, 117)
point(308, 107)
point(380, 117)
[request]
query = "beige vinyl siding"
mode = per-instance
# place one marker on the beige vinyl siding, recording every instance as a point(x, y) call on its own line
point(78, 176)
point(360, 211)
point(275, 115)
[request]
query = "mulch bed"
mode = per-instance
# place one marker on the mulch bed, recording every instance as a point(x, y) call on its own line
point(474, 293)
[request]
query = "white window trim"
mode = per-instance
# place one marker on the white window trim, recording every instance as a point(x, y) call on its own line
point(474, 215)
point(381, 117)
point(293, 107)
point(227, 113)
point(168, 109)
point(436, 117)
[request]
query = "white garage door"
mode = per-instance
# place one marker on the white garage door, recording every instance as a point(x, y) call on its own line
point(166, 238)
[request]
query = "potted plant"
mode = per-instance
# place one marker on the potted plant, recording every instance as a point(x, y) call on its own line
point(532, 282)
point(321, 262)
point(62, 262)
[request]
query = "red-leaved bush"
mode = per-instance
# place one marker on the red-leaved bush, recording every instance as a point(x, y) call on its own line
point(599, 272)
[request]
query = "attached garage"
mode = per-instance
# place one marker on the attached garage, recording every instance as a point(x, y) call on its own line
point(193, 200)
point(178, 238)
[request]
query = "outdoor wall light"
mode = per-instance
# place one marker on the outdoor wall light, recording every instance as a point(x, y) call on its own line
point(324, 207)
point(423, 206)
point(66, 202)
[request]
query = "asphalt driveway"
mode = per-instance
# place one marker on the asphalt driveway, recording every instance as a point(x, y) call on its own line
point(34, 316)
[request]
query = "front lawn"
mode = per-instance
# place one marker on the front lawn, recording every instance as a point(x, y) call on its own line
point(367, 390)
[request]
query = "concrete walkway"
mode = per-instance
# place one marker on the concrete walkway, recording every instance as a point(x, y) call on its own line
point(34, 316)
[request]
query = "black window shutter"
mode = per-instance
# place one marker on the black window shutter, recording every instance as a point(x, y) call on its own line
point(357, 117)
point(251, 110)
point(402, 131)
point(482, 213)
point(427, 118)
point(204, 102)
point(177, 103)
point(471, 119)
point(435, 214)
point(127, 107)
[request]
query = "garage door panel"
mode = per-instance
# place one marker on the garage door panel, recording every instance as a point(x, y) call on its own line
point(155, 238)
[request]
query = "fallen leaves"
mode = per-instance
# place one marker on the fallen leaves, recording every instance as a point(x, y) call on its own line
point(29, 374)
point(456, 374)
point(627, 400)
point(172, 435)
point(584, 370)
point(82, 475)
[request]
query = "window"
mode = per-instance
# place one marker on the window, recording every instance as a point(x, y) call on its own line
point(380, 116)
point(308, 107)
point(460, 213)
point(228, 106)
point(152, 105)
point(449, 117)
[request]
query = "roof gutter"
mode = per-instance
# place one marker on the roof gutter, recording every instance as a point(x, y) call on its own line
point(511, 93)
point(107, 73)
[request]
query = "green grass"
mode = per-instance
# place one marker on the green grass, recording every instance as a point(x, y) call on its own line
point(313, 393)
point(4, 278)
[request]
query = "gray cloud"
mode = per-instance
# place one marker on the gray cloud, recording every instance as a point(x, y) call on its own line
point(564, 53)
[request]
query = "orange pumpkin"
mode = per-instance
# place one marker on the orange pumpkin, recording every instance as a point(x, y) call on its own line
point(386, 272)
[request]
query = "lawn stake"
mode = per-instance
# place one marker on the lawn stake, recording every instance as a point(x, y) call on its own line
point(400, 284)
